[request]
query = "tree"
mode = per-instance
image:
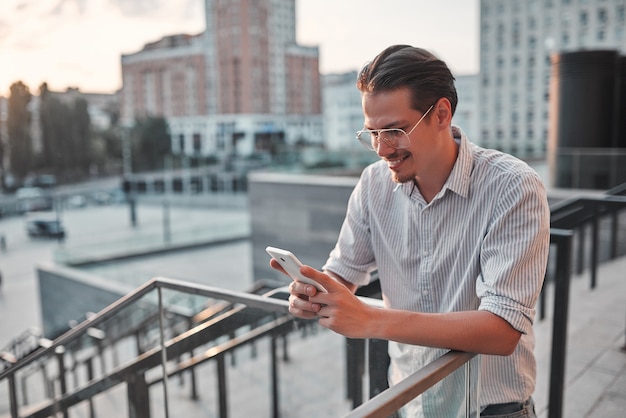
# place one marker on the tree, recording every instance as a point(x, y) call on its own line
point(18, 127)
point(151, 143)
point(66, 136)
point(81, 136)
point(56, 132)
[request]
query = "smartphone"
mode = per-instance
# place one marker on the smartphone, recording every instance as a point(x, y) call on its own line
point(291, 265)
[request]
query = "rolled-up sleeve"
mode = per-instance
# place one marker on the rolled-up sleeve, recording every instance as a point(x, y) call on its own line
point(514, 252)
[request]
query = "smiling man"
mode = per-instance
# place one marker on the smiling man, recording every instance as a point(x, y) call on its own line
point(459, 235)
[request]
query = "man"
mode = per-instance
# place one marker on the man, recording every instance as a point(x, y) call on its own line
point(459, 235)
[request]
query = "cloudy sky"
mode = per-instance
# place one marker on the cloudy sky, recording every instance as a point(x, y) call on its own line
point(79, 42)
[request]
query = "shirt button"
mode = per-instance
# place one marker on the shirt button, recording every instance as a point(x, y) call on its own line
point(425, 292)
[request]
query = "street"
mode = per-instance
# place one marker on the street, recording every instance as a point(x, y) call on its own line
point(100, 229)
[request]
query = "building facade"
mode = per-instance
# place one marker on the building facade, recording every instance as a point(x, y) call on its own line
point(343, 115)
point(239, 88)
point(466, 115)
point(517, 41)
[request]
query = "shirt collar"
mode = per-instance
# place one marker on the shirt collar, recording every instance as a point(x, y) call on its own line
point(459, 179)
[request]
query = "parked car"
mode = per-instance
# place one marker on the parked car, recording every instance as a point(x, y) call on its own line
point(33, 198)
point(44, 226)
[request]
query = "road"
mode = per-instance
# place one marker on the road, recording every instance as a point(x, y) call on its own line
point(97, 228)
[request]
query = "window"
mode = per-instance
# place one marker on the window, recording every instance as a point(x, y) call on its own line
point(197, 142)
point(515, 36)
point(583, 18)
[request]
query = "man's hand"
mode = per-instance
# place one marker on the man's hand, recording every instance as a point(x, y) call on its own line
point(337, 309)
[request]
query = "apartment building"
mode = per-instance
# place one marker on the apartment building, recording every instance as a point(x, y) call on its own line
point(239, 87)
point(517, 41)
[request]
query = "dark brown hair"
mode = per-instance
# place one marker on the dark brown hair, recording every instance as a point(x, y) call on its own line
point(403, 66)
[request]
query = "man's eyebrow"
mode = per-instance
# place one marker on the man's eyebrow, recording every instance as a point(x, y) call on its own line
point(392, 125)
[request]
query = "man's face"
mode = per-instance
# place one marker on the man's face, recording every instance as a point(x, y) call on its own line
point(393, 110)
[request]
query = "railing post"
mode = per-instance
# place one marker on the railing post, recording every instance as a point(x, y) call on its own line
point(580, 258)
point(563, 240)
point(13, 396)
point(594, 246)
point(378, 366)
point(163, 352)
point(89, 366)
point(60, 353)
point(355, 363)
point(221, 385)
point(138, 396)
point(274, 371)
point(542, 298)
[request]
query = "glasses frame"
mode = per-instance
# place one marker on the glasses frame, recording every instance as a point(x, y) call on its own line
point(375, 135)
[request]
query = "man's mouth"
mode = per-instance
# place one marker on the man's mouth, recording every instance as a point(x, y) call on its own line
point(394, 163)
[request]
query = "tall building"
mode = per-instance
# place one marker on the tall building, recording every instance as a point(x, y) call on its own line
point(517, 41)
point(466, 115)
point(343, 115)
point(241, 87)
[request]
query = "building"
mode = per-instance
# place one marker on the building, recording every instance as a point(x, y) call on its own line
point(466, 115)
point(241, 87)
point(517, 40)
point(342, 111)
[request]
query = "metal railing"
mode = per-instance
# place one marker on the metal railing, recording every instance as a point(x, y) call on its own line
point(168, 352)
point(74, 371)
point(273, 312)
point(394, 398)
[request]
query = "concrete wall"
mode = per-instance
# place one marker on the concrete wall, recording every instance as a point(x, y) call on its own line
point(300, 213)
point(67, 294)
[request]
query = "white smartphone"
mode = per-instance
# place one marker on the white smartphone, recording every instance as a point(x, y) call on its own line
point(291, 265)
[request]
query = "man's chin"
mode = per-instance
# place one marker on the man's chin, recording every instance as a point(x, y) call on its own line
point(398, 178)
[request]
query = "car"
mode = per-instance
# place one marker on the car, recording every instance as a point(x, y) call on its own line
point(33, 198)
point(46, 227)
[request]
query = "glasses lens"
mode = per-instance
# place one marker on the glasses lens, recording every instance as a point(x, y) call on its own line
point(367, 139)
point(395, 138)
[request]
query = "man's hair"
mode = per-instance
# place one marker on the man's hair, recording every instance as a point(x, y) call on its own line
point(403, 66)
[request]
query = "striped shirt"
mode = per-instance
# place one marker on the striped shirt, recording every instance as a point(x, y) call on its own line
point(481, 243)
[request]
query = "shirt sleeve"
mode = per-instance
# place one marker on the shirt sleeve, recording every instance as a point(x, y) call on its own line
point(515, 250)
point(353, 257)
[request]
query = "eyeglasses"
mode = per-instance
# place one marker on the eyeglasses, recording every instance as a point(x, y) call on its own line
point(394, 137)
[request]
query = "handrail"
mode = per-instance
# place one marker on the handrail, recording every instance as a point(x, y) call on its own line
point(577, 212)
point(420, 382)
point(620, 189)
point(392, 399)
point(250, 300)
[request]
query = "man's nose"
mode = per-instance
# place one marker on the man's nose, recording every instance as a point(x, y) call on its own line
point(382, 148)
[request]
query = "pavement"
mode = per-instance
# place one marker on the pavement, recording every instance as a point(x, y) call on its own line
point(313, 379)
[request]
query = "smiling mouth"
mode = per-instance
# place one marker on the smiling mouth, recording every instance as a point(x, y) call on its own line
point(393, 163)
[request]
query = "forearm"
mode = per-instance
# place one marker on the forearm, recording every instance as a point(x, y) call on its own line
point(470, 331)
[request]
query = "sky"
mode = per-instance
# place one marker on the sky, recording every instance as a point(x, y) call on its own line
point(79, 43)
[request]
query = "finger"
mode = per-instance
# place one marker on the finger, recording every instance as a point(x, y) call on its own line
point(303, 308)
point(276, 266)
point(325, 280)
point(303, 289)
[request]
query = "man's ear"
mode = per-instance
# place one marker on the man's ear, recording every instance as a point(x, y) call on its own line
point(443, 112)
